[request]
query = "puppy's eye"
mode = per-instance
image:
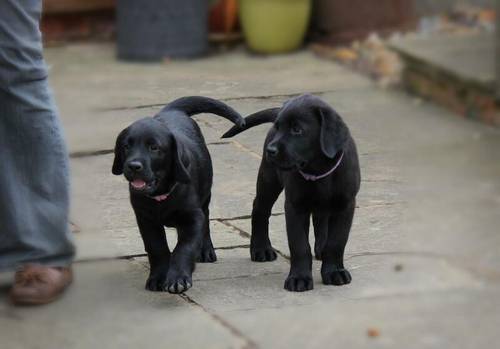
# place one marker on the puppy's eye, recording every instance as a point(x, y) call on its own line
point(153, 148)
point(296, 130)
point(126, 147)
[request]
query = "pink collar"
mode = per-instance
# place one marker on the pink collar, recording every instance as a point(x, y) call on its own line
point(314, 178)
point(163, 197)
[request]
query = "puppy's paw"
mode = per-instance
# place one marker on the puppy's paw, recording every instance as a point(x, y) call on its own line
point(207, 255)
point(299, 283)
point(265, 254)
point(178, 282)
point(156, 282)
point(336, 277)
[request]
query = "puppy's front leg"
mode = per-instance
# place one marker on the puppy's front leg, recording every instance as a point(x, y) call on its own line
point(190, 235)
point(268, 190)
point(297, 227)
point(155, 244)
point(320, 223)
point(332, 269)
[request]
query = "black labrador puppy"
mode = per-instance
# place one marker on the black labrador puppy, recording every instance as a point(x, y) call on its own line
point(310, 153)
point(169, 169)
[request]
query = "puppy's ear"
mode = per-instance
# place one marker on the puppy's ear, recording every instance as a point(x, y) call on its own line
point(180, 163)
point(334, 132)
point(119, 153)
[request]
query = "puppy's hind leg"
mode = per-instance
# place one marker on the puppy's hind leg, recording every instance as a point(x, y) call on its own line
point(207, 252)
point(339, 225)
point(320, 223)
point(268, 190)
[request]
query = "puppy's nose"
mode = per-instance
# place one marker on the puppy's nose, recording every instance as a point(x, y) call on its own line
point(272, 150)
point(135, 166)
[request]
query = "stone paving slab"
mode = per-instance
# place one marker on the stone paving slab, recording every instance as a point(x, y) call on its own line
point(469, 56)
point(113, 243)
point(423, 252)
point(374, 230)
point(96, 131)
point(232, 264)
point(227, 75)
point(445, 319)
point(373, 276)
point(107, 307)
point(400, 121)
point(99, 96)
point(102, 200)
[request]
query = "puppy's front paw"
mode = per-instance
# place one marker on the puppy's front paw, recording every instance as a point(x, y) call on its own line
point(263, 254)
point(336, 277)
point(178, 282)
point(299, 283)
point(156, 281)
point(207, 255)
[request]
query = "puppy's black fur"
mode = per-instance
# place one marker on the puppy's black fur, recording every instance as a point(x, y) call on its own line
point(167, 163)
point(308, 136)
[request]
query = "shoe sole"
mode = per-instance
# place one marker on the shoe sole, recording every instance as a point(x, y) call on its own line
point(34, 301)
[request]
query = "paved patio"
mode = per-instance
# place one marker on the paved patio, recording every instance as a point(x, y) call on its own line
point(424, 250)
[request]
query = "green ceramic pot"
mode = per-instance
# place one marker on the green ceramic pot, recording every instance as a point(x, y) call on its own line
point(274, 26)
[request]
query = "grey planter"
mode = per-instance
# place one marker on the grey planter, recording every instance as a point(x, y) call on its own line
point(151, 30)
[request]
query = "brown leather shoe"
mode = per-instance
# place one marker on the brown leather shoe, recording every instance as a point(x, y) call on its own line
point(37, 284)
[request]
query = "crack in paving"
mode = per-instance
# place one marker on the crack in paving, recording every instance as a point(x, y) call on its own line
point(279, 95)
point(470, 266)
point(91, 153)
point(139, 255)
point(396, 253)
point(383, 204)
point(246, 276)
point(235, 247)
point(243, 217)
point(249, 343)
point(382, 180)
point(245, 234)
point(449, 259)
point(227, 99)
point(246, 149)
point(242, 232)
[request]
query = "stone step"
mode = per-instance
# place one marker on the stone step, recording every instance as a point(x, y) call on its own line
point(455, 70)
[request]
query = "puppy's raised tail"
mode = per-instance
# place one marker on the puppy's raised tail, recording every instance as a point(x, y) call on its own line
point(261, 117)
point(197, 104)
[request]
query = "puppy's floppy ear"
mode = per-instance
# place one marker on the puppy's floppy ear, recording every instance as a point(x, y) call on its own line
point(334, 132)
point(119, 153)
point(179, 162)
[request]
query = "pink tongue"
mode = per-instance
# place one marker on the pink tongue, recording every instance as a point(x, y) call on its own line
point(138, 183)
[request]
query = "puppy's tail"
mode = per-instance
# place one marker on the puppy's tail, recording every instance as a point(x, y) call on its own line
point(261, 117)
point(197, 104)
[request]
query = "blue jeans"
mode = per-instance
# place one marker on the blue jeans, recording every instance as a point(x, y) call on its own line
point(34, 174)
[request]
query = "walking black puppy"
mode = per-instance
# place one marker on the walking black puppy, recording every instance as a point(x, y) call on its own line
point(310, 153)
point(168, 166)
